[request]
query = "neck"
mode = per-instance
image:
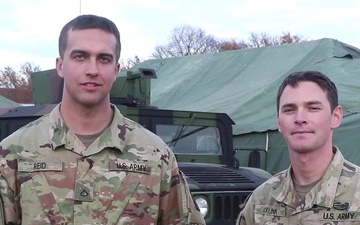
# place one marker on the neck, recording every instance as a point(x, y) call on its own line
point(86, 120)
point(310, 166)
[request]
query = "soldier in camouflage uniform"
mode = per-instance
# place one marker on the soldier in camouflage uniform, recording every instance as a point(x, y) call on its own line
point(84, 163)
point(320, 186)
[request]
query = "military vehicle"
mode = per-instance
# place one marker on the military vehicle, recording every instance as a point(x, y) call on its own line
point(201, 141)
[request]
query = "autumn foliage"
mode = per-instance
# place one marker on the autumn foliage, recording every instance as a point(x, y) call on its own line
point(16, 85)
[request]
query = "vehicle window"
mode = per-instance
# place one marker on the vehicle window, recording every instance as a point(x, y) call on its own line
point(184, 139)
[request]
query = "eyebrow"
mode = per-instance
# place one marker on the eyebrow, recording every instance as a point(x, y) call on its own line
point(78, 51)
point(287, 105)
point(307, 103)
point(314, 103)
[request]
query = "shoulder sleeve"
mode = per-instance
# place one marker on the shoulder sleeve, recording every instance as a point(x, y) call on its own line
point(8, 165)
point(176, 203)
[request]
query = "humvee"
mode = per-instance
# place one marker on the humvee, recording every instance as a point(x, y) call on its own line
point(201, 141)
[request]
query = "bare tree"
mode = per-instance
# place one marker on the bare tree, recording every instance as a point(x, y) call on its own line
point(129, 62)
point(16, 85)
point(257, 40)
point(186, 40)
point(263, 39)
point(9, 79)
point(27, 69)
point(287, 38)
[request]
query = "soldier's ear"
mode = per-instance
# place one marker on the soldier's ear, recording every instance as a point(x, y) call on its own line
point(278, 124)
point(59, 64)
point(337, 116)
point(117, 70)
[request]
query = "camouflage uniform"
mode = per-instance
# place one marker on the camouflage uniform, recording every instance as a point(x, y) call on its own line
point(335, 199)
point(127, 176)
point(2, 218)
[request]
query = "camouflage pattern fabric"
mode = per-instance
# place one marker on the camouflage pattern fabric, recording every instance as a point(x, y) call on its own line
point(127, 176)
point(335, 199)
point(2, 217)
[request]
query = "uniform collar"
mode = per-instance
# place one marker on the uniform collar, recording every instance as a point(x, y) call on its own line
point(112, 137)
point(322, 194)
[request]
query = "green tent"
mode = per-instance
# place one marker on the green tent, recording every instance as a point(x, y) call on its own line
point(7, 103)
point(243, 84)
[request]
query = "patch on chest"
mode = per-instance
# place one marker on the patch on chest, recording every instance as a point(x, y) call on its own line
point(341, 205)
point(271, 211)
point(339, 216)
point(25, 166)
point(130, 167)
point(84, 192)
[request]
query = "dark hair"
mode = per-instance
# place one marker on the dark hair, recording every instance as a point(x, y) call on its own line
point(314, 76)
point(83, 22)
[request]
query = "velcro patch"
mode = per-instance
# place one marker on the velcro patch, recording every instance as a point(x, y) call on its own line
point(339, 216)
point(24, 166)
point(129, 167)
point(271, 211)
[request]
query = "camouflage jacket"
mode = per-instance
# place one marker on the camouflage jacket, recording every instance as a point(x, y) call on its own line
point(335, 199)
point(126, 176)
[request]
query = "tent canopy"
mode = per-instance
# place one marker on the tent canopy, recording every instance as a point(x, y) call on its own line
point(244, 83)
point(7, 103)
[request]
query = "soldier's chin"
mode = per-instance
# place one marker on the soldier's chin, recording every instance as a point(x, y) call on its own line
point(301, 148)
point(89, 103)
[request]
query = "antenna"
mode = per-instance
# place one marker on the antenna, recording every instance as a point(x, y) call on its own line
point(80, 7)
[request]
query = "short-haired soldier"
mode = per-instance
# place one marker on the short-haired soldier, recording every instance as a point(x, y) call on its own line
point(85, 163)
point(320, 186)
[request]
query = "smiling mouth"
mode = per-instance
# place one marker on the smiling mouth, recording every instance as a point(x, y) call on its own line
point(302, 132)
point(90, 85)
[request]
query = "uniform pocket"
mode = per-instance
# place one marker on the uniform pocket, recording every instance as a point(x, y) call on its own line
point(38, 201)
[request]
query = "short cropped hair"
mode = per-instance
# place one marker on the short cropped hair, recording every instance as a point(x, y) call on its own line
point(313, 76)
point(84, 22)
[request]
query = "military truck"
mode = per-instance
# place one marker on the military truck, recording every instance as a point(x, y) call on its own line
point(201, 141)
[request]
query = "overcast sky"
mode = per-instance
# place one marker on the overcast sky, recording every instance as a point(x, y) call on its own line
point(29, 29)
